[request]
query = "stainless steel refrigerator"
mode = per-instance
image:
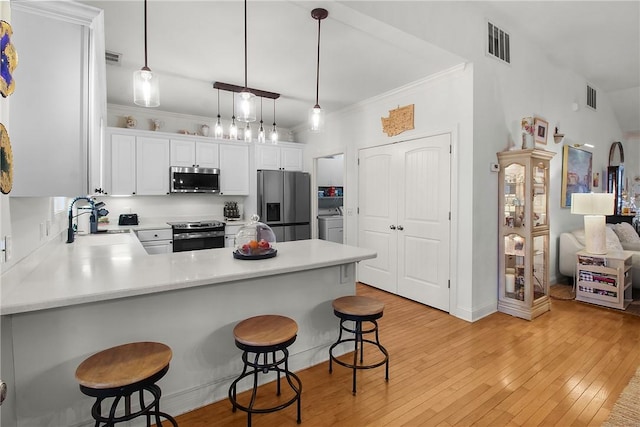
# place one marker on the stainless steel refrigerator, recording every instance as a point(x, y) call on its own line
point(284, 203)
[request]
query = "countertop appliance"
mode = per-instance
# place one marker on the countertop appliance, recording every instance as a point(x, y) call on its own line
point(128, 219)
point(194, 180)
point(284, 203)
point(196, 235)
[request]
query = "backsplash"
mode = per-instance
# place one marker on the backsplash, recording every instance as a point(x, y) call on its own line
point(174, 205)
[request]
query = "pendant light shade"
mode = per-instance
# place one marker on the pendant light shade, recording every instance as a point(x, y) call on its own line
point(146, 88)
point(316, 114)
point(217, 130)
point(247, 133)
point(246, 100)
point(261, 133)
point(233, 129)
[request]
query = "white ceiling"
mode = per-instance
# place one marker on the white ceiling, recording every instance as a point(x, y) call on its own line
point(194, 43)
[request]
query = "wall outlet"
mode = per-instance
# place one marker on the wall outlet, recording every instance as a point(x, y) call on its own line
point(494, 167)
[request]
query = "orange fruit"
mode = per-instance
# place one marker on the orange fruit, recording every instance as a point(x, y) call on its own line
point(253, 244)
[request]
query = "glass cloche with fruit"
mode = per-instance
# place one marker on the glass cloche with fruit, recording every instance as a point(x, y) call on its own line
point(256, 240)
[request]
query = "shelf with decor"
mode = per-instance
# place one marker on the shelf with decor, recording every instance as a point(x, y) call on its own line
point(604, 279)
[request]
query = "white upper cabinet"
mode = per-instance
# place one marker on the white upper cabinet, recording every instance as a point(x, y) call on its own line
point(60, 98)
point(234, 169)
point(191, 153)
point(279, 157)
point(123, 165)
point(152, 166)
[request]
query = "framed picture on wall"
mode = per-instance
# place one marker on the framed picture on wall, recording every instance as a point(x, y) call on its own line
point(576, 173)
point(540, 128)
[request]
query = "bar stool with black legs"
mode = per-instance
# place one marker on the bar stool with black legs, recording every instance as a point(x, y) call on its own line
point(359, 309)
point(258, 337)
point(115, 374)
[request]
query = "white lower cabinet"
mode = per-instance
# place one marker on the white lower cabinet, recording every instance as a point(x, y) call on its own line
point(230, 232)
point(156, 241)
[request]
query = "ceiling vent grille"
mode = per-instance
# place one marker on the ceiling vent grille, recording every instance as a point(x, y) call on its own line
point(591, 97)
point(113, 58)
point(498, 43)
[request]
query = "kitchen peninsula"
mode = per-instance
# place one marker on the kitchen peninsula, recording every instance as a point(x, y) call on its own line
point(104, 290)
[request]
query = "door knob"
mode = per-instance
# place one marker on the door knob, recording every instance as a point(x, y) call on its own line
point(400, 228)
point(393, 227)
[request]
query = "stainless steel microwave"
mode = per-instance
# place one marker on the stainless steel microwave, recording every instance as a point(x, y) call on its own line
point(194, 180)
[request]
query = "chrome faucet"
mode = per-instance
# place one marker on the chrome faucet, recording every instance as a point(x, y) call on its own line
point(93, 221)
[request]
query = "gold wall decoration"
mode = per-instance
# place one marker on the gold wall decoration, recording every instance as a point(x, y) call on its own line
point(6, 161)
point(399, 120)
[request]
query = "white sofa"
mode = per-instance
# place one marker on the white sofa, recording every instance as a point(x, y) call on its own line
point(572, 242)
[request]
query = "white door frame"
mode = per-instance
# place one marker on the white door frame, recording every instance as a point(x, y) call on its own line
point(314, 191)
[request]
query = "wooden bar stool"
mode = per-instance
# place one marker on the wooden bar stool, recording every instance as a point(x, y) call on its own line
point(359, 309)
point(117, 373)
point(261, 336)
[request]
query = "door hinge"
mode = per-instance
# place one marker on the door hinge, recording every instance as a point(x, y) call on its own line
point(358, 161)
point(449, 215)
point(450, 148)
point(358, 210)
point(449, 284)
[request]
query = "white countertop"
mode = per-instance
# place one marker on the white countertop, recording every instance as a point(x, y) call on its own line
point(100, 267)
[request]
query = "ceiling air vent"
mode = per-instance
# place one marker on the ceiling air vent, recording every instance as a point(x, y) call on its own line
point(498, 43)
point(591, 97)
point(112, 58)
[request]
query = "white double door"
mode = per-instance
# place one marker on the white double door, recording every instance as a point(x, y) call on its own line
point(404, 201)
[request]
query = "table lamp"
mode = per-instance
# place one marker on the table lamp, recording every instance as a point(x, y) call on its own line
point(594, 206)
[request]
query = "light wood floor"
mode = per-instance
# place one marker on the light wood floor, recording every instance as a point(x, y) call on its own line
point(565, 368)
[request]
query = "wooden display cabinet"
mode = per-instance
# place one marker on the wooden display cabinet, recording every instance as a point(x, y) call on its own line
point(523, 278)
point(604, 279)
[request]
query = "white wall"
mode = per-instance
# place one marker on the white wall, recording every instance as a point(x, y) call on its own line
point(501, 95)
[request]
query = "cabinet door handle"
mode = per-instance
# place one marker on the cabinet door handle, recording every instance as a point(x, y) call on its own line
point(393, 227)
point(400, 228)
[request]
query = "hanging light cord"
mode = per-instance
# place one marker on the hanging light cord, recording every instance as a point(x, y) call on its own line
point(245, 44)
point(218, 103)
point(145, 35)
point(318, 66)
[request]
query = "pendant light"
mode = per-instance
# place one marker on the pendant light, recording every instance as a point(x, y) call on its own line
point(246, 99)
point(217, 131)
point(247, 133)
point(274, 130)
point(316, 114)
point(233, 129)
point(261, 132)
point(146, 90)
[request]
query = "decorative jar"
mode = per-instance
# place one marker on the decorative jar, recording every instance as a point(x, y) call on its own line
point(256, 240)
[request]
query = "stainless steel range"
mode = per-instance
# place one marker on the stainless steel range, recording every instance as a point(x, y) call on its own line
point(196, 235)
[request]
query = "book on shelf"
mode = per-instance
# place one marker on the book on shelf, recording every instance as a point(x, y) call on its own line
point(590, 260)
point(596, 291)
point(589, 276)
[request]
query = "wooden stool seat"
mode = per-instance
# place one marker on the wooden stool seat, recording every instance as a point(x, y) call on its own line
point(266, 330)
point(260, 337)
point(354, 305)
point(359, 309)
point(123, 365)
point(113, 375)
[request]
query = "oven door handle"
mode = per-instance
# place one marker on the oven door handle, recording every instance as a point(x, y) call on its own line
point(197, 235)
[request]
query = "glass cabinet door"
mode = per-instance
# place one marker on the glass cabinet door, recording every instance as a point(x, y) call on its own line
point(540, 285)
point(514, 262)
point(514, 198)
point(540, 196)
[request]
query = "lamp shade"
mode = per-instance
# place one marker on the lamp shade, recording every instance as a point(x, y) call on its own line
point(592, 203)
